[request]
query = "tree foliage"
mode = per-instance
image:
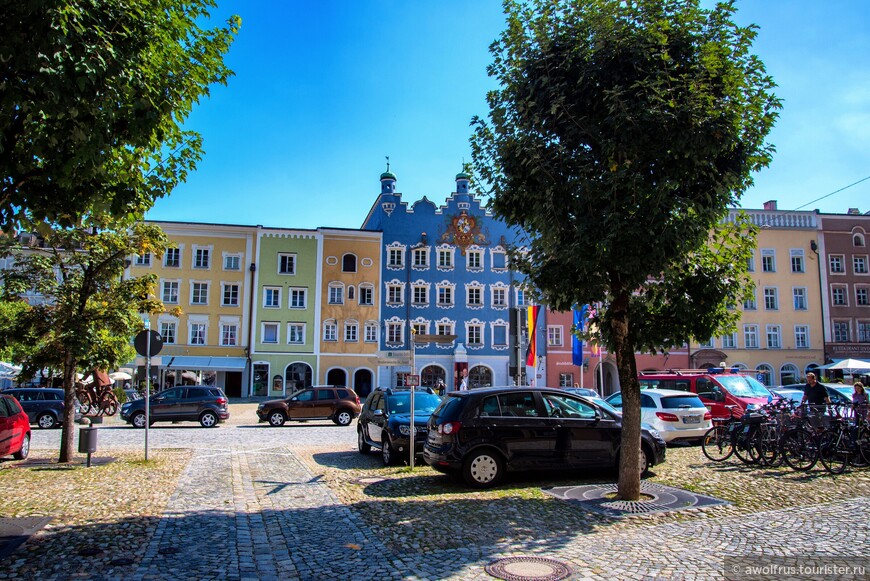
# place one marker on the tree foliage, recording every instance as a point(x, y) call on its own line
point(66, 305)
point(619, 135)
point(93, 97)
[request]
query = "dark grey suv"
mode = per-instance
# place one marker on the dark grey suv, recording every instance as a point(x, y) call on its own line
point(44, 405)
point(189, 403)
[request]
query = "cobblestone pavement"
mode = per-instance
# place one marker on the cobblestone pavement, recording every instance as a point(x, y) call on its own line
point(251, 505)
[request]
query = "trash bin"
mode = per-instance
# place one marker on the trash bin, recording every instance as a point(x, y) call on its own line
point(87, 440)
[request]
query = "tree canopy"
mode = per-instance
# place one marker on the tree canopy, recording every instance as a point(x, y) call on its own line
point(618, 137)
point(93, 97)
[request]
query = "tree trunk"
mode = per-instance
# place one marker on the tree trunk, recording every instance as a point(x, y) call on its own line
point(67, 437)
point(629, 470)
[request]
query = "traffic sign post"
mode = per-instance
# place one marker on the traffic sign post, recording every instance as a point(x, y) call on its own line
point(148, 343)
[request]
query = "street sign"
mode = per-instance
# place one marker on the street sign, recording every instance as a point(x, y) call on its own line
point(412, 380)
point(394, 358)
point(142, 345)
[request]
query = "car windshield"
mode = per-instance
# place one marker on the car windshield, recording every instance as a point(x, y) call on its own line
point(792, 394)
point(424, 403)
point(743, 386)
point(582, 391)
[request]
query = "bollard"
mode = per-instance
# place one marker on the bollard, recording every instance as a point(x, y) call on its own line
point(88, 441)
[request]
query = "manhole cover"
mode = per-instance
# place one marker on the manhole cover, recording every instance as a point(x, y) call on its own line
point(658, 498)
point(528, 569)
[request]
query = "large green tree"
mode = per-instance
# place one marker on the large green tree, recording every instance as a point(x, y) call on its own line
point(82, 312)
point(93, 97)
point(620, 133)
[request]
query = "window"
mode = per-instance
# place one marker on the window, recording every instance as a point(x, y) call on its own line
point(421, 295)
point(566, 379)
point(800, 298)
point(270, 332)
point(336, 294)
point(499, 260)
point(499, 297)
point(394, 294)
point(232, 262)
point(286, 263)
point(863, 332)
point(395, 332)
point(168, 330)
point(750, 303)
point(445, 328)
point(229, 334)
point(499, 335)
point(771, 303)
point(474, 260)
point(857, 240)
point(797, 259)
point(330, 331)
point(801, 337)
point(475, 298)
point(348, 263)
point(835, 264)
point(197, 333)
point(199, 293)
point(774, 337)
point(231, 295)
point(445, 258)
point(708, 344)
point(421, 258)
point(750, 262)
point(366, 295)
point(172, 258)
point(272, 297)
point(143, 259)
point(768, 260)
point(371, 332)
point(861, 296)
point(351, 332)
point(475, 334)
point(296, 333)
point(521, 298)
point(201, 257)
point(396, 257)
point(750, 336)
point(859, 264)
point(169, 292)
point(841, 332)
point(554, 336)
point(298, 298)
point(838, 296)
point(729, 341)
point(420, 328)
point(445, 296)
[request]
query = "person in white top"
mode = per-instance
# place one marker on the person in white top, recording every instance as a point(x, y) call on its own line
point(463, 385)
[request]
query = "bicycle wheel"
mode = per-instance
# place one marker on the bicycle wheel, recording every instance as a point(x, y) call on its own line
point(832, 454)
point(744, 447)
point(799, 450)
point(862, 444)
point(768, 447)
point(717, 444)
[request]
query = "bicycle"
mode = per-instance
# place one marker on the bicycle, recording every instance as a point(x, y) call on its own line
point(717, 444)
point(842, 444)
point(800, 444)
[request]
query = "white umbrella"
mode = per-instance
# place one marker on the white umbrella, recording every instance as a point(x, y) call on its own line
point(849, 366)
point(120, 375)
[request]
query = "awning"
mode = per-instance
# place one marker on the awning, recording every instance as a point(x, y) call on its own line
point(204, 362)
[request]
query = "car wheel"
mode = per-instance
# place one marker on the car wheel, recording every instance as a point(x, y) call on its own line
point(25, 449)
point(388, 453)
point(643, 462)
point(483, 469)
point(277, 418)
point(208, 419)
point(364, 447)
point(343, 418)
point(46, 421)
point(138, 420)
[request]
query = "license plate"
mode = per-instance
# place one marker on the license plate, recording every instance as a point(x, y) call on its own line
point(691, 419)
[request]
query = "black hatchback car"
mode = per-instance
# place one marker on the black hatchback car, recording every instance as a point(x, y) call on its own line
point(385, 422)
point(483, 433)
point(189, 403)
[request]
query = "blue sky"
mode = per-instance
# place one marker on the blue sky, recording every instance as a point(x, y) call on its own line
point(325, 89)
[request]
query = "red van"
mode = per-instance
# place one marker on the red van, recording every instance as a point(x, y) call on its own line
point(716, 387)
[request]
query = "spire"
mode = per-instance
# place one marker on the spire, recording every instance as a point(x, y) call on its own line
point(388, 180)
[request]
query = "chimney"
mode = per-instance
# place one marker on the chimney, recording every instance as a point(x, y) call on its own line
point(854, 212)
point(770, 205)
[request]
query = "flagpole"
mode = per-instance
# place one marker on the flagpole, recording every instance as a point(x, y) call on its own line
point(600, 360)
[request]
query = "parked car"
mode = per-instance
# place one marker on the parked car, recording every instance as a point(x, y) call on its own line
point(322, 402)
point(14, 428)
point(839, 394)
point(43, 405)
point(385, 422)
point(788, 392)
point(717, 388)
point(678, 416)
point(585, 392)
point(483, 433)
point(205, 404)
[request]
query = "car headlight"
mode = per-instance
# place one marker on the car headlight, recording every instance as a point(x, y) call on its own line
point(405, 430)
point(125, 406)
point(260, 407)
point(655, 433)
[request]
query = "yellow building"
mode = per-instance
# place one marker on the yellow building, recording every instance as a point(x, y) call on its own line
point(780, 332)
point(205, 274)
point(349, 308)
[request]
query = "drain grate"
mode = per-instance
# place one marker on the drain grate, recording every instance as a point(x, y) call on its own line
point(528, 569)
point(598, 498)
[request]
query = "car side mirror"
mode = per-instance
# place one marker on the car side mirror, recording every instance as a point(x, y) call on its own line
point(378, 413)
point(294, 399)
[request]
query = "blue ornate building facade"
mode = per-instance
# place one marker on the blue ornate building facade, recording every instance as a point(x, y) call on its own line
point(449, 297)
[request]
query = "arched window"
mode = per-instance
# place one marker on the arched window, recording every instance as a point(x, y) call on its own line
point(348, 263)
point(431, 374)
point(789, 374)
point(765, 374)
point(479, 376)
point(297, 376)
point(858, 240)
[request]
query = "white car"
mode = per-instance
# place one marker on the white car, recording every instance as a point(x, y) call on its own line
point(678, 416)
